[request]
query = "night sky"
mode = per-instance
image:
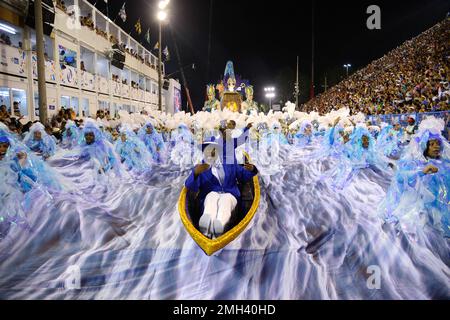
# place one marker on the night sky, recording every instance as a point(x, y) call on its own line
point(263, 38)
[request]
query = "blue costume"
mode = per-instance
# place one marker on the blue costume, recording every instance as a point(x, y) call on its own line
point(355, 157)
point(153, 141)
point(415, 197)
point(206, 182)
point(182, 143)
point(100, 151)
point(275, 136)
point(45, 146)
point(132, 151)
point(388, 143)
point(71, 135)
point(21, 172)
point(302, 138)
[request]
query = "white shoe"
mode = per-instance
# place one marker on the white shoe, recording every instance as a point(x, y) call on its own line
point(205, 224)
point(218, 228)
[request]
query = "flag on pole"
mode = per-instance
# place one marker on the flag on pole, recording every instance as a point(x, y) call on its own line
point(156, 46)
point(166, 53)
point(123, 13)
point(138, 26)
point(147, 36)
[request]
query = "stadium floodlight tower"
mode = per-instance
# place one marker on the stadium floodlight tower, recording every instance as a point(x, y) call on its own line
point(347, 67)
point(270, 94)
point(162, 16)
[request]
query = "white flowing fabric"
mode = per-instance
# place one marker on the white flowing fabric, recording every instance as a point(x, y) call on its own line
point(307, 241)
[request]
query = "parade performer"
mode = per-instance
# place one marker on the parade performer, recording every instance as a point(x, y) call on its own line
point(275, 137)
point(71, 135)
point(359, 154)
point(304, 135)
point(231, 99)
point(249, 105)
point(40, 142)
point(182, 142)
point(420, 192)
point(96, 148)
point(154, 142)
point(388, 143)
point(217, 186)
point(212, 103)
point(24, 177)
point(132, 151)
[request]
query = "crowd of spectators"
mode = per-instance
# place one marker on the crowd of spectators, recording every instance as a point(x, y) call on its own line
point(134, 85)
point(412, 78)
point(5, 39)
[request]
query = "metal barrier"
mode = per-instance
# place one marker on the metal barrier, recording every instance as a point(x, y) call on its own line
point(403, 118)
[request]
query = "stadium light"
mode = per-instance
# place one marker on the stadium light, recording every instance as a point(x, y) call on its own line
point(347, 66)
point(162, 15)
point(270, 94)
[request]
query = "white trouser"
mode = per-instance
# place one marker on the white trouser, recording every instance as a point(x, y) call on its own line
point(219, 206)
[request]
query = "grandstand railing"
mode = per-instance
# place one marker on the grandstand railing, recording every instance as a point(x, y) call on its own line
point(403, 118)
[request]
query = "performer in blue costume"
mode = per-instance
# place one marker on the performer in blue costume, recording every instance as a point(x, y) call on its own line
point(217, 186)
point(304, 135)
point(359, 154)
point(420, 192)
point(276, 136)
point(388, 143)
point(71, 135)
point(21, 173)
point(182, 143)
point(154, 142)
point(333, 143)
point(40, 142)
point(13, 186)
point(95, 147)
point(16, 161)
point(132, 151)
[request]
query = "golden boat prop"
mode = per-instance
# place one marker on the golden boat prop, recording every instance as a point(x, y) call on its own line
point(189, 208)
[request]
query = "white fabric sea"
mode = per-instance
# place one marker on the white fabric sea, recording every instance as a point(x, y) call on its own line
point(308, 240)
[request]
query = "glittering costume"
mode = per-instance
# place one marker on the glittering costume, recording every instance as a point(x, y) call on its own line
point(21, 173)
point(212, 103)
point(154, 142)
point(40, 142)
point(71, 135)
point(182, 150)
point(358, 154)
point(304, 136)
point(100, 151)
point(417, 198)
point(248, 106)
point(132, 151)
point(231, 100)
point(388, 143)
